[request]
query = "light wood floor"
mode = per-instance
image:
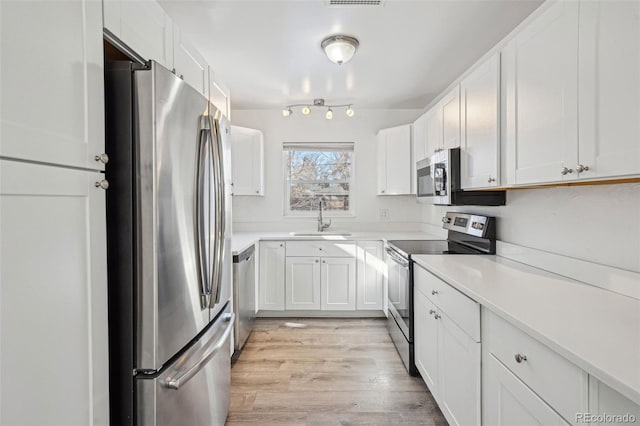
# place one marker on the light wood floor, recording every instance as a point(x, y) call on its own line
point(332, 372)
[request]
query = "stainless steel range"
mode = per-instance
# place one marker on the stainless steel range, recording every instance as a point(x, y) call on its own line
point(468, 234)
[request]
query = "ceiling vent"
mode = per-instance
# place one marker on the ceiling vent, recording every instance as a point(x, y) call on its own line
point(354, 2)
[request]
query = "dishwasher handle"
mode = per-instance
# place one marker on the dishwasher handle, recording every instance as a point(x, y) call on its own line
point(397, 258)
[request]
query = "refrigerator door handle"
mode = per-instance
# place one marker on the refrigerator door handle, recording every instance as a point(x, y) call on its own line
point(179, 379)
point(202, 246)
point(220, 224)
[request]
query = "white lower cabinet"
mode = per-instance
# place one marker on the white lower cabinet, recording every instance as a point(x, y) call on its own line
point(370, 275)
point(302, 283)
point(53, 297)
point(338, 284)
point(271, 277)
point(608, 407)
point(447, 355)
point(508, 401)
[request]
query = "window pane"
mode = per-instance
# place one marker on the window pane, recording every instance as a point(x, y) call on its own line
point(319, 165)
point(305, 196)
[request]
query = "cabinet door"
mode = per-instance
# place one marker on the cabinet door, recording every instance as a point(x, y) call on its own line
point(381, 139)
point(303, 283)
point(434, 130)
point(540, 73)
point(219, 95)
point(426, 341)
point(508, 401)
point(272, 276)
point(609, 88)
point(370, 275)
point(605, 401)
point(189, 63)
point(419, 141)
point(458, 374)
point(450, 106)
point(247, 161)
point(53, 301)
point(52, 82)
point(398, 160)
point(148, 30)
point(480, 94)
point(338, 284)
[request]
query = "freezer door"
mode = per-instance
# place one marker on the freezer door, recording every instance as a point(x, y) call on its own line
point(173, 165)
point(194, 390)
point(221, 232)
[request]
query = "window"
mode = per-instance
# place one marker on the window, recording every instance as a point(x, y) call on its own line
point(314, 171)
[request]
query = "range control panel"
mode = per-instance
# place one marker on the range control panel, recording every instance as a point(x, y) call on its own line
point(470, 224)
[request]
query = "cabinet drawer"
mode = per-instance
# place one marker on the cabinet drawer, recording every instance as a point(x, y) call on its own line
point(462, 310)
point(321, 248)
point(560, 383)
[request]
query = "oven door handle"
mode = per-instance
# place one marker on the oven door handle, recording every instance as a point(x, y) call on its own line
point(397, 258)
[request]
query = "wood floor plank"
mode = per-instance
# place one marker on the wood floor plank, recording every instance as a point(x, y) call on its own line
point(329, 372)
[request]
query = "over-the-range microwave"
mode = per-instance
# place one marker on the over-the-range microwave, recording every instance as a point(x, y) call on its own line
point(438, 179)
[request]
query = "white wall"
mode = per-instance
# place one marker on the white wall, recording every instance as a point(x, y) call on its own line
point(267, 213)
point(599, 223)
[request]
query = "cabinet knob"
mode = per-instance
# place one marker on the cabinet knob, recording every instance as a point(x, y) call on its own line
point(431, 312)
point(491, 179)
point(257, 191)
point(519, 358)
point(317, 260)
point(566, 171)
point(103, 184)
point(382, 191)
point(581, 168)
point(436, 316)
point(434, 292)
point(281, 245)
point(324, 261)
point(102, 158)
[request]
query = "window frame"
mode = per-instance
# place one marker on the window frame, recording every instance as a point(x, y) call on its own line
point(287, 182)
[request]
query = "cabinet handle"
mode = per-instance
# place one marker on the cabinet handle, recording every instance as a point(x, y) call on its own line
point(434, 292)
point(281, 245)
point(257, 192)
point(566, 171)
point(436, 316)
point(519, 358)
point(431, 312)
point(581, 168)
point(491, 179)
point(102, 158)
point(103, 184)
point(324, 261)
point(317, 261)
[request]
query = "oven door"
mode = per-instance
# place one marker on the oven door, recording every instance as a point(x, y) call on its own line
point(424, 179)
point(399, 291)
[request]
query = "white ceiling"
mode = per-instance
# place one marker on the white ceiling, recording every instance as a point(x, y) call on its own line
point(268, 52)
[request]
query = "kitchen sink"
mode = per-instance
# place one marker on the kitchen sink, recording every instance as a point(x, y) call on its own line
point(319, 234)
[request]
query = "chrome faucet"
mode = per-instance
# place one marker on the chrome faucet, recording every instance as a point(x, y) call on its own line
point(321, 225)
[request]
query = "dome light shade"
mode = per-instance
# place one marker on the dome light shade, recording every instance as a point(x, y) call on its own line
point(329, 114)
point(350, 111)
point(286, 112)
point(306, 110)
point(340, 48)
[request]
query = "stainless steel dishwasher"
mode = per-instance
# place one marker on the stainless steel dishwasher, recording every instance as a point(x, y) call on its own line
point(244, 296)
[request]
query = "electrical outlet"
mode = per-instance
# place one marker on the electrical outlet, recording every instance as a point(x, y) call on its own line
point(384, 214)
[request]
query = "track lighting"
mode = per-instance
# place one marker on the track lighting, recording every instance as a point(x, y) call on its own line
point(318, 103)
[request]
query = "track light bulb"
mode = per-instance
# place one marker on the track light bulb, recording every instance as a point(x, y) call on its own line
point(329, 114)
point(350, 111)
point(306, 110)
point(286, 112)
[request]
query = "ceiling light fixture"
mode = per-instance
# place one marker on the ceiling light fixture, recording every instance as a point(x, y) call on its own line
point(318, 103)
point(340, 48)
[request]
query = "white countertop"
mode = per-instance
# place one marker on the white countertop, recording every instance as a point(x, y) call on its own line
point(243, 240)
point(596, 329)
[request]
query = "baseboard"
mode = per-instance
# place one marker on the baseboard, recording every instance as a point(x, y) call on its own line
point(320, 314)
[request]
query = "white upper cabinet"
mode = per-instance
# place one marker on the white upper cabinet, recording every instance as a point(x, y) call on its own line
point(609, 90)
point(247, 161)
point(419, 147)
point(539, 69)
point(434, 130)
point(143, 26)
point(394, 161)
point(450, 106)
point(480, 98)
point(219, 95)
point(53, 298)
point(189, 62)
point(52, 82)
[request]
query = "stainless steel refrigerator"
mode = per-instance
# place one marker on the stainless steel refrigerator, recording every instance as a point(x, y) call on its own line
point(169, 258)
